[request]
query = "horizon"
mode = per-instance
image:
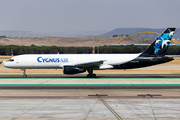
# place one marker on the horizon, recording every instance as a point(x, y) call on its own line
point(16, 33)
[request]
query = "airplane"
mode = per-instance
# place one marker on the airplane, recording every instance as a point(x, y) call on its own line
point(79, 63)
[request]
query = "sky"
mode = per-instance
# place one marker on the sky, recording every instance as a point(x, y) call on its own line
point(87, 15)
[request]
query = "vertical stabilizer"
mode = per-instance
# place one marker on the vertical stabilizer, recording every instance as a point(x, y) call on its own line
point(160, 45)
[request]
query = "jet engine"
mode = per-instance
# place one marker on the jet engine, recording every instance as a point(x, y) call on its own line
point(73, 70)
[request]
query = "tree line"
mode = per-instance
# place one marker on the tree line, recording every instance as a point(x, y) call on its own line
point(18, 50)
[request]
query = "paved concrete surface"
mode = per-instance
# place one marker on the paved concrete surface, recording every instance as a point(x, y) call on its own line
point(89, 109)
point(90, 81)
point(76, 104)
point(67, 104)
point(99, 75)
point(59, 93)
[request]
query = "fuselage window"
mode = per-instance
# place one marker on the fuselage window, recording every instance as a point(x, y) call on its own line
point(11, 60)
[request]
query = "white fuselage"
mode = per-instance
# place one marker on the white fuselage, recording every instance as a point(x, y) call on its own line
point(57, 61)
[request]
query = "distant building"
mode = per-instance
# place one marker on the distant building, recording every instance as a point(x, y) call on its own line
point(116, 35)
point(3, 36)
point(120, 35)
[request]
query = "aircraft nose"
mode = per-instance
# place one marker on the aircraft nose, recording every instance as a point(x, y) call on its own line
point(6, 64)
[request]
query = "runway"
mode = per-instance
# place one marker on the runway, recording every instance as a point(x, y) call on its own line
point(53, 104)
point(84, 75)
point(89, 83)
point(82, 108)
point(122, 98)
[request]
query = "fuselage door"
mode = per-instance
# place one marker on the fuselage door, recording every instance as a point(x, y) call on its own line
point(17, 60)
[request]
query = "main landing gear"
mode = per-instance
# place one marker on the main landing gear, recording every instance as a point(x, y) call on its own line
point(24, 73)
point(91, 75)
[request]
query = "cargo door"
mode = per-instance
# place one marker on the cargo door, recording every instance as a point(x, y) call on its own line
point(17, 60)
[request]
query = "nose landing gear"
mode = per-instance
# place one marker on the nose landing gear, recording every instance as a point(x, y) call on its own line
point(24, 73)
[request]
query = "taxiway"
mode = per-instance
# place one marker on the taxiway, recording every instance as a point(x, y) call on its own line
point(123, 99)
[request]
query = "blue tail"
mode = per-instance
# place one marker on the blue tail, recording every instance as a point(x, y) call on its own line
point(160, 45)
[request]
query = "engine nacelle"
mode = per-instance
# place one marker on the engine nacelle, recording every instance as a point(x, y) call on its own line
point(73, 70)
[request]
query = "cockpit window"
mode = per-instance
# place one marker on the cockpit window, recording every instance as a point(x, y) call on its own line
point(11, 60)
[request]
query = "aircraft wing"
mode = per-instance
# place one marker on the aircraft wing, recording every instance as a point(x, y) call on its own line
point(91, 64)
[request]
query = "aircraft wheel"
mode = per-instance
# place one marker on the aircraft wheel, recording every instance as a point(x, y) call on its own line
point(24, 76)
point(88, 75)
point(93, 75)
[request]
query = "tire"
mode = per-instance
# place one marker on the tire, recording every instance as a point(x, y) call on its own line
point(94, 75)
point(25, 76)
point(88, 75)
